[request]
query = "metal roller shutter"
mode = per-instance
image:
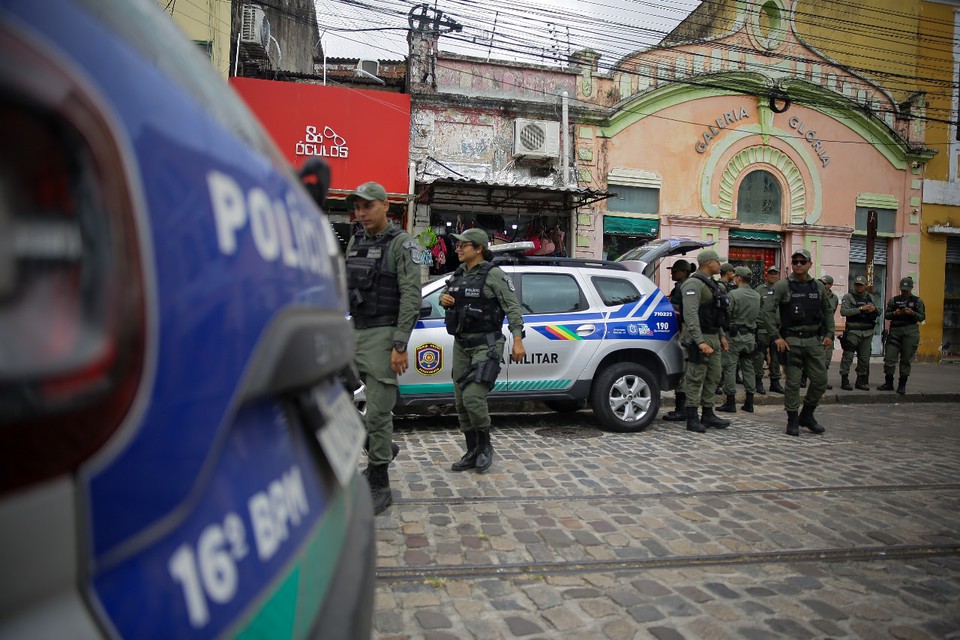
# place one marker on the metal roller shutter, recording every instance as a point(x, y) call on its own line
point(953, 250)
point(858, 250)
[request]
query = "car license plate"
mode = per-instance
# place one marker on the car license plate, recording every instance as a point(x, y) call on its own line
point(342, 434)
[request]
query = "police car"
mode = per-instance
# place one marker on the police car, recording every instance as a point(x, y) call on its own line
point(597, 332)
point(177, 452)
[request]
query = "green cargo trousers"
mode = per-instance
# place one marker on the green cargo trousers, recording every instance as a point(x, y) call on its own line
point(741, 353)
point(858, 344)
point(806, 358)
point(902, 343)
point(701, 380)
point(471, 400)
point(373, 363)
point(764, 340)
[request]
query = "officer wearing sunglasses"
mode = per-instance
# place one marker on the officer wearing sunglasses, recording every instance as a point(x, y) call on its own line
point(805, 318)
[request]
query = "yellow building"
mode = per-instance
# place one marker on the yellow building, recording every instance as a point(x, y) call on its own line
point(207, 23)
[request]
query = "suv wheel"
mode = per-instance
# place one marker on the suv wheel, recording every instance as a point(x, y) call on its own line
point(625, 397)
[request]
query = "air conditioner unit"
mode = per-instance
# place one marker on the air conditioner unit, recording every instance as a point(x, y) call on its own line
point(254, 28)
point(536, 138)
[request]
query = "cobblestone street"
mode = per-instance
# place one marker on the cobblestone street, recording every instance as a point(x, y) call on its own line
point(741, 533)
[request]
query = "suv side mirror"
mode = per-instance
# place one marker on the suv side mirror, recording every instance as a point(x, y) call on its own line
point(426, 309)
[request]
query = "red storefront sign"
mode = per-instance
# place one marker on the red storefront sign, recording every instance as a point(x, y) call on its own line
point(364, 135)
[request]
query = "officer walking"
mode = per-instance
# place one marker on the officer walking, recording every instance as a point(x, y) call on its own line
point(827, 281)
point(765, 349)
point(744, 314)
point(861, 312)
point(704, 316)
point(679, 271)
point(477, 298)
point(384, 292)
point(806, 329)
point(905, 313)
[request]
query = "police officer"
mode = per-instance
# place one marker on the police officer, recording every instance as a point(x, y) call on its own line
point(384, 296)
point(765, 337)
point(477, 298)
point(806, 329)
point(704, 316)
point(744, 314)
point(827, 281)
point(861, 312)
point(905, 313)
point(679, 271)
point(727, 274)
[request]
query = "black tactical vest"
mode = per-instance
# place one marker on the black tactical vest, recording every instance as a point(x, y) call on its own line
point(900, 303)
point(374, 290)
point(714, 316)
point(472, 311)
point(804, 307)
point(863, 320)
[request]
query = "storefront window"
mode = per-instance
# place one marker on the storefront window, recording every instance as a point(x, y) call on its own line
point(758, 199)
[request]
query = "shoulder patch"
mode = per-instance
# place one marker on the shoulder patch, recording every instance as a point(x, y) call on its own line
point(690, 292)
point(509, 282)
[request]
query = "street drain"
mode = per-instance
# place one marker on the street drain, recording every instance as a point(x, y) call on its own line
point(568, 433)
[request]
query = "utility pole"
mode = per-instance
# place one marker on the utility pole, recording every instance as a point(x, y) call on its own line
point(871, 239)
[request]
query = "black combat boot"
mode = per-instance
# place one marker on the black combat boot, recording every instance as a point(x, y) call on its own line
point(748, 403)
point(902, 385)
point(484, 451)
point(379, 487)
point(887, 383)
point(775, 386)
point(718, 391)
point(863, 383)
point(693, 421)
point(679, 413)
point(469, 459)
point(793, 424)
point(730, 406)
point(759, 385)
point(807, 420)
point(845, 383)
point(394, 451)
point(710, 419)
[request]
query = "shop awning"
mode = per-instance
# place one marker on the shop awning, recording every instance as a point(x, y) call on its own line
point(749, 234)
point(631, 226)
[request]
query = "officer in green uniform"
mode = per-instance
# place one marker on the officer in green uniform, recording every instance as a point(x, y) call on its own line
point(744, 313)
point(905, 313)
point(727, 284)
point(827, 281)
point(679, 271)
point(477, 298)
point(704, 316)
point(861, 312)
point(384, 295)
point(765, 351)
point(806, 329)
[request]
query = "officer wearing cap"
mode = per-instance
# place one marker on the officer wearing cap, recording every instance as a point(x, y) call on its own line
point(766, 332)
point(861, 312)
point(827, 281)
point(679, 271)
point(704, 311)
point(383, 283)
point(905, 313)
point(727, 274)
point(806, 326)
point(744, 314)
point(477, 298)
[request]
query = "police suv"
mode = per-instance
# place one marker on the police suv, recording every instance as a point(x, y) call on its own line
point(177, 452)
point(596, 331)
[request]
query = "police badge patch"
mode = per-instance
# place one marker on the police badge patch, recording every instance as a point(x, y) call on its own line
point(418, 253)
point(509, 282)
point(429, 359)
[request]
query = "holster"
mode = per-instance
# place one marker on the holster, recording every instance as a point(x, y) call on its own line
point(694, 355)
point(485, 372)
point(844, 342)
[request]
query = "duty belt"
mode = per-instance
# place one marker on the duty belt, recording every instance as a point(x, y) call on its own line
point(794, 333)
point(859, 326)
point(374, 321)
point(467, 343)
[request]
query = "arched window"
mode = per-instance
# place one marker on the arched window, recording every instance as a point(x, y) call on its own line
point(758, 199)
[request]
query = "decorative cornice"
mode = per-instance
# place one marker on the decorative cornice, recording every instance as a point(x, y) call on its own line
point(747, 160)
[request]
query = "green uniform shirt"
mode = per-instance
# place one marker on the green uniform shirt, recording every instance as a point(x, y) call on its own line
point(834, 301)
point(400, 258)
point(500, 286)
point(850, 310)
point(781, 295)
point(695, 293)
point(744, 309)
point(767, 321)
